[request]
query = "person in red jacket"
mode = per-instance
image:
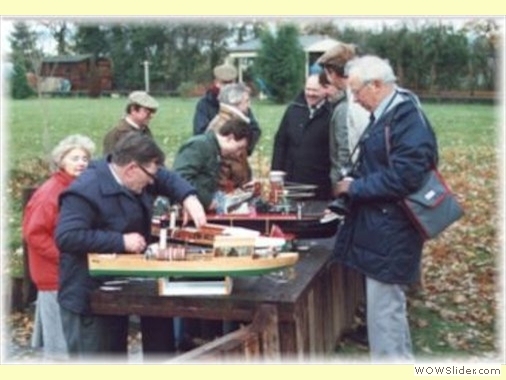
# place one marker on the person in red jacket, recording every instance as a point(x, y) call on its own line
point(68, 160)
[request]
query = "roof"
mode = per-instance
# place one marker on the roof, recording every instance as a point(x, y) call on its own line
point(67, 58)
point(310, 43)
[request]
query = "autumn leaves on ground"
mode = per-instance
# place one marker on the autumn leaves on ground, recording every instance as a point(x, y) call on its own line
point(455, 311)
point(462, 267)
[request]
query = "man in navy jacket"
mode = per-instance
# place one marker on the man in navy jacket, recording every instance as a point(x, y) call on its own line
point(377, 238)
point(109, 209)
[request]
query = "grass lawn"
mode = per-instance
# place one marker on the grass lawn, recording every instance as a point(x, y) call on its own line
point(455, 314)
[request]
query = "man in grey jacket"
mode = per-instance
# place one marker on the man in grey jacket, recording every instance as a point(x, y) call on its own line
point(349, 119)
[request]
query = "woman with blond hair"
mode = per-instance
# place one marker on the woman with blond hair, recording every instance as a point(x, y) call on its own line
point(68, 160)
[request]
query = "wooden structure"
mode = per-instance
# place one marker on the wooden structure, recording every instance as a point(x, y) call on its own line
point(85, 73)
point(307, 314)
point(258, 339)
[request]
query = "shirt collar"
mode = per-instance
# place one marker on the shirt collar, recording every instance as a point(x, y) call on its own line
point(132, 123)
point(384, 104)
point(115, 175)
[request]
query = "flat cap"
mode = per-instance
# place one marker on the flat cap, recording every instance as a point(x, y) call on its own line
point(225, 73)
point(143, 99)
point(338, 55)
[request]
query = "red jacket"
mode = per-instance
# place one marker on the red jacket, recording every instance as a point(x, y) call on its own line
point(39, 223)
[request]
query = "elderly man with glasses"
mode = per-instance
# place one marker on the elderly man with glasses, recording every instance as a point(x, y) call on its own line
point(109, 209)
point(377, 238)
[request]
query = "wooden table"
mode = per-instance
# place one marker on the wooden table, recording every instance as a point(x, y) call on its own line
point(311, 310)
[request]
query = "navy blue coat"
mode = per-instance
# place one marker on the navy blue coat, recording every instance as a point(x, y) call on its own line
point(301, 146)
point(95, 212)
point(377, 238)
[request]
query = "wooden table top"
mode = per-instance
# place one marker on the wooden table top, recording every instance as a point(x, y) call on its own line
point(140, 296)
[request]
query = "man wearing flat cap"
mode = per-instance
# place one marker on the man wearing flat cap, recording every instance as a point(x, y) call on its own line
point(208, 106)
point(157, 332)
point(139, 110)
point(349, 119)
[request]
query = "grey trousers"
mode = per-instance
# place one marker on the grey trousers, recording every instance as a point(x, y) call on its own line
point(95, 337)
point(387, 323)
point(48, 330)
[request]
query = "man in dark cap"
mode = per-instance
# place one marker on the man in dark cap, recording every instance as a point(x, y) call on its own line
point(208, 106)
point(349, 119)
point(139, 110)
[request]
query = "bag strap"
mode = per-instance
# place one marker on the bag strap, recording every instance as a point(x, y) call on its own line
point(387, 136)
point(425, 123)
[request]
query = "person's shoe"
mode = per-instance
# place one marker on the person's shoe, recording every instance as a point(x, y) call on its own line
point(358, 335)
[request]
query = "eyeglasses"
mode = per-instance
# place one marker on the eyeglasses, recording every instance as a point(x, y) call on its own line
point(149, 174)
point(357, 91)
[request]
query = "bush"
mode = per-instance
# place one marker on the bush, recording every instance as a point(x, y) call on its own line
point(19, 85)
point(190, 89)
point(33, 173)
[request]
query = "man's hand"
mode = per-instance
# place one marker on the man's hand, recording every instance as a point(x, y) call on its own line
point(134, 242)
point(343, 186)
point(193, 208)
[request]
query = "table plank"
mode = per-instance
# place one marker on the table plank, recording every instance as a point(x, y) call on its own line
point(140, 297)
point(312, 310)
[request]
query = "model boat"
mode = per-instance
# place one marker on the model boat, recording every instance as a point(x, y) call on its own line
point(210, 251)
point(195, 265)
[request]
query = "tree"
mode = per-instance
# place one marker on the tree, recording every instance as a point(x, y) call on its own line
point(25, 52)
point(327, 28)
point(91, 39)
point(19, 85)
point(26, 58)
point(60, 31)
point(485, 41)
point(247, 30)
point(280, 62)
point(217, 35)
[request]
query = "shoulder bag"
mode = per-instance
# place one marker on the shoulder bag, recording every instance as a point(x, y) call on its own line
point(433, 207)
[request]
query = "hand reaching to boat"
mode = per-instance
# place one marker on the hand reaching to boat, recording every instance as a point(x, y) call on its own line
point(192, 208)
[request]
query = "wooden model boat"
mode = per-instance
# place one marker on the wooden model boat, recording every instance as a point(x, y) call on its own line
point(195, 265)
point(301, 228)
point(236, 252)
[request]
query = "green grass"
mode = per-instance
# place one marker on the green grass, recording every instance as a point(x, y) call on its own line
point(468, 136)
point(35, 126)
